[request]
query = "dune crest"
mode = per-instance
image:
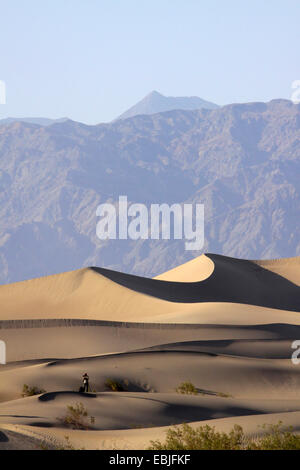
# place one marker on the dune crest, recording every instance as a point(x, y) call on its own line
point(197, 269)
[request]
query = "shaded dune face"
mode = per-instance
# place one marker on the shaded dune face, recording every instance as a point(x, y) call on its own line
point(232, 280)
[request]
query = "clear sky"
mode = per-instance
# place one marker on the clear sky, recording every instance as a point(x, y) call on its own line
point(92, 59)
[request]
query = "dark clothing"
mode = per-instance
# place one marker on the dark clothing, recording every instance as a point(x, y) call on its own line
point(85, 380)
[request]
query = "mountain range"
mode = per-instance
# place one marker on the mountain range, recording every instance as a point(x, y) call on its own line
point(242, 161)
point(41, 121)
point(153, 103)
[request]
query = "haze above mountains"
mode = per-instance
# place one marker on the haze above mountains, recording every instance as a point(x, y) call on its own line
point(242, 161)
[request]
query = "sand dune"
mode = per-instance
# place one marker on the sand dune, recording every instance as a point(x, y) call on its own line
point(255, 368)
point(128, 439)
point(129, 410)
point(102, 294)
point(226, 325)
point(132, 420)
point(248, 377)
point(232, 280)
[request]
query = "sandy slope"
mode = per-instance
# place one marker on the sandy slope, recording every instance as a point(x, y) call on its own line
point(140, 438)
point(226, 325)
point(12, 440)
point(286, 267)
point(213, 368)
point(122, 418)
point(94, 338)
point(131, 410)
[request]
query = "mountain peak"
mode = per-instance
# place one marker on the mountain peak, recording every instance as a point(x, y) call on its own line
point(153, 93)
point(155, 102)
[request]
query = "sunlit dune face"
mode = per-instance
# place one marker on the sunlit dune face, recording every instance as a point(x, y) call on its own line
point(195, 270)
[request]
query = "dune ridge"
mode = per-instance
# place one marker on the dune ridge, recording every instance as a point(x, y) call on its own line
point(232, 280)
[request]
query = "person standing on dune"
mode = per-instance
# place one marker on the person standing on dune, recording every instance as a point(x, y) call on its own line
point(85, 380)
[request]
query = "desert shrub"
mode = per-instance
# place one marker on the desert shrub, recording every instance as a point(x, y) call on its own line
point(77, 417)
point(30, 391)
point(185, 437)
point(114, 386)
point(187, 388)
point(276, 437)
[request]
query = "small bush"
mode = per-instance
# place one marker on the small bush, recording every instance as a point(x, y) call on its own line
point(114, 386)
point(185, 437)
point(77, 417)
point(187, 388)
point(30, 391)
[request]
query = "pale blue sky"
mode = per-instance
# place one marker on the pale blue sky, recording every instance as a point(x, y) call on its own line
point(92, 59)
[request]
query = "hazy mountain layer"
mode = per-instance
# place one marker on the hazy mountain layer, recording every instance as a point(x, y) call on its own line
point(41, 121)
point(241, 161)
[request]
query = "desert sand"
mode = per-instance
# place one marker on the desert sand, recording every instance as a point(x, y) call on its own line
point(224, 324)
